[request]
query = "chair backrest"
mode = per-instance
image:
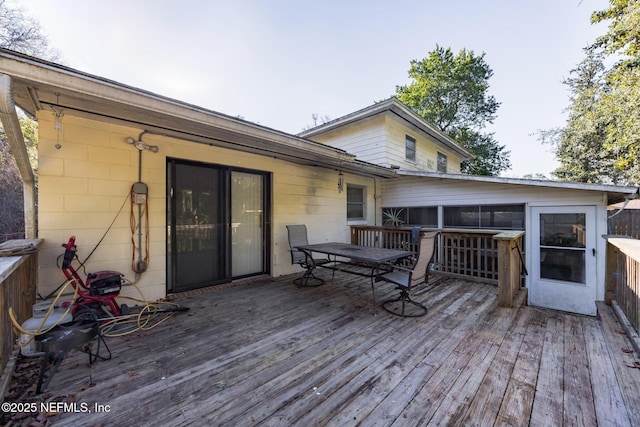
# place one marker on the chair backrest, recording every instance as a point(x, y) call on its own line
point(426, 251)
point(297, 237)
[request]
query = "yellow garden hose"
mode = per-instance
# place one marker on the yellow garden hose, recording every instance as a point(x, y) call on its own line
point(110, 327)
point(39, 331)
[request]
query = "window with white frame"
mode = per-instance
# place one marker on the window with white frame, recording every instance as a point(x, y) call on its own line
point(356, 198)
point(410, 148)
point(442, 162)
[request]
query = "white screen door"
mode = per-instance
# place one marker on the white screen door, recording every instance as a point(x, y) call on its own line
point(563, 273)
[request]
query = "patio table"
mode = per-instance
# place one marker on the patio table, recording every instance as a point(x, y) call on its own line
point(360, 256)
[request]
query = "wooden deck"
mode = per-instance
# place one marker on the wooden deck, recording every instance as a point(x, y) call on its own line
point(269, 353)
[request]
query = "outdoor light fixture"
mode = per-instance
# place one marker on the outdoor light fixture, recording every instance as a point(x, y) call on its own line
point(58, 113)
point(340, 182)
point(141, 145)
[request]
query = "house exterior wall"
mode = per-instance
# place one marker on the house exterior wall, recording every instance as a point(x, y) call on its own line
point(365, 138)
point(420, 192)
point(381, 140)
point(84, 184)
point(426, 149)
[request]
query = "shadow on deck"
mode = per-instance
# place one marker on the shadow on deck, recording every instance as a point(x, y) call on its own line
point(269, 353)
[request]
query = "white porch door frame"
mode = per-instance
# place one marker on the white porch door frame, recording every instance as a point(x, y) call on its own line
point(546, 286)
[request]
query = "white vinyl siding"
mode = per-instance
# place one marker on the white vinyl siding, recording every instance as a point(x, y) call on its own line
point(365, 139)
point(419, 191)
point(381, 140)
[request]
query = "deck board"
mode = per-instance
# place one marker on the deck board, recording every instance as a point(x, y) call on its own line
point(270, 353)
point(579, 408)
point(607, 396)
point(518, 401)
point(486, 404)
point(548, 401)
point(623, 360)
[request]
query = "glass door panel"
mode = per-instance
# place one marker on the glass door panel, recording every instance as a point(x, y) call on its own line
point(562, 246)
point(563, 265)
point(199, 227)
point(247, 229)
point(217, 224)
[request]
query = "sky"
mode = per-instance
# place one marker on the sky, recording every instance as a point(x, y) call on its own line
point(278, 62)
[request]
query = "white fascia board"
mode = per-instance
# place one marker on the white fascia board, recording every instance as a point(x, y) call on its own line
point(629, 191)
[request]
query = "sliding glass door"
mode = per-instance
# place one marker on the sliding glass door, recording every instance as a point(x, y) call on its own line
point(216, 224)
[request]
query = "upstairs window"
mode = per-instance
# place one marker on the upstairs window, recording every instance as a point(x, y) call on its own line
point(442, 162)
point(355, 202)
point(410, 148)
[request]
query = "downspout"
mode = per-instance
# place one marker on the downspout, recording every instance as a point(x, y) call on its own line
point(11, 124)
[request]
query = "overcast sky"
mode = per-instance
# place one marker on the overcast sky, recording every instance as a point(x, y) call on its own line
point(276, 62)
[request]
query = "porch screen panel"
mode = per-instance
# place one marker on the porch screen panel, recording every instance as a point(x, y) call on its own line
point(562, 247)
point(247, 193)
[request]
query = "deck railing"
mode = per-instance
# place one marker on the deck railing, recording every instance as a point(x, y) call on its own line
point(623, 277)
point(18, 291)
point(490, 256)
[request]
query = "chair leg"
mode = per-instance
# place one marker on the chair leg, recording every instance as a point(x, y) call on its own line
point(308, 279)
point(405, 298)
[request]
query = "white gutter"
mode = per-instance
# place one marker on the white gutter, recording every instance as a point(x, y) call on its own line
point(11, 124)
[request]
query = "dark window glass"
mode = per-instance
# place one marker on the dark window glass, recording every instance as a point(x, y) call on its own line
point(355, 202)
point(461, 216)
point(425, 216)
point(410, 148)
point(394, 217)
point(562, 247)
point(504, 217)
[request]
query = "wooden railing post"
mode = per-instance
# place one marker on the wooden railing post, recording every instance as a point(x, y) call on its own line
point(509, 266)
point(611, 275)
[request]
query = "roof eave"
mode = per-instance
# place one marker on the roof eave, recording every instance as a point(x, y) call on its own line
point(41, 84)
point(399, 109)
point(615, 193)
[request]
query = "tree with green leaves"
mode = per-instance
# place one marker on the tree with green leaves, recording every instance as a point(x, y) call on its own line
point(601, 140)
point(579, 145)
point(451, 92)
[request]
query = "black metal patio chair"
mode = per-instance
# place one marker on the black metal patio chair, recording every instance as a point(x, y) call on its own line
point(405, 278)
point(298, 237)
